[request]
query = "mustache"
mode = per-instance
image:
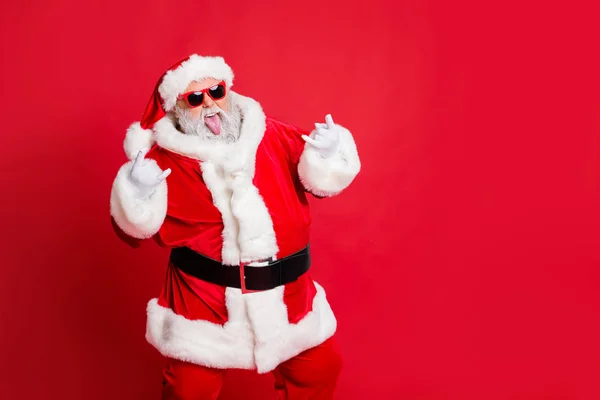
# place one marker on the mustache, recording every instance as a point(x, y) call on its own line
point(187, 114)
point(212, 110)
point(231, 121)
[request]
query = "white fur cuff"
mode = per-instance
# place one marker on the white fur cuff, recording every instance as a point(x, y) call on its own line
point(329, 176)
point(138, 218)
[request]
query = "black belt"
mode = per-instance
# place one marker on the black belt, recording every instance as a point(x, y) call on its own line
point(274, 274)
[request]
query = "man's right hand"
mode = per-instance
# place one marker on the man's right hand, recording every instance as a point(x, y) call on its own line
point(145, 176)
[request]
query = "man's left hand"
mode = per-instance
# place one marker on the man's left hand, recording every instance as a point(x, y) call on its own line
point(326, 138)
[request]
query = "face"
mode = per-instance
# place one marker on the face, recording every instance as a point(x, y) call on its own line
point(213, 119)
point(208, 101)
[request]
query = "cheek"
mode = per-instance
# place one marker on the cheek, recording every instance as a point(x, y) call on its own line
point(196, 112)
point(223, 104)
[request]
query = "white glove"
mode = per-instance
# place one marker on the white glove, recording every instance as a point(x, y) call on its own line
point(145, 176)
point(326, 138)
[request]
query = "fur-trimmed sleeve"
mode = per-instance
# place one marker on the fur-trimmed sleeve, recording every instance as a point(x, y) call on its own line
point(138, 218)
point(326, 177)
point(320, 177)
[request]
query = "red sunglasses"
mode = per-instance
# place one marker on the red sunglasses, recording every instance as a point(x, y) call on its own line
point(195, 98)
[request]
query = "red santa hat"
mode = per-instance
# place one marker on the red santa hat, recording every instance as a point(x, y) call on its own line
point(170, 85)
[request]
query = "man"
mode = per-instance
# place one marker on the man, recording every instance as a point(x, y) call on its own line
point(224, 187)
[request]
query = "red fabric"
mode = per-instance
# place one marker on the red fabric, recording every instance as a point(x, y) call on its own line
point(154, 109)
point(193, 298)
point(479, 198)
point(192, 220)
point(186, 381)
point(312, 374)
point(298, 297)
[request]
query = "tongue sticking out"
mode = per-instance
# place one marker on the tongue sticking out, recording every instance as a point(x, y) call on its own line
point(214, 123)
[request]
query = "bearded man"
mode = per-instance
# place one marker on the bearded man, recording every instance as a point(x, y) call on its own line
point(225, 189)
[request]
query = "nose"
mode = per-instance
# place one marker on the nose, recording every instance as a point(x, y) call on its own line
point(208, 102)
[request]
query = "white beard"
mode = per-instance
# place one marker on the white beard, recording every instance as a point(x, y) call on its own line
point(231, 122)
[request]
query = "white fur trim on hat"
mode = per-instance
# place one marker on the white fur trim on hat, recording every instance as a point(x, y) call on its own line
point(195, 68)
point(136, 139)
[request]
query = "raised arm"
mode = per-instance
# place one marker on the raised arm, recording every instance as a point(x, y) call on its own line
point(138, 200)
point(329, 162)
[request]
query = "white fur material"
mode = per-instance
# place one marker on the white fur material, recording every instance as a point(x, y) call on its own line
point(138, 218)
point(257, 334)
point(329, 176)
point(202, 342)
point(228, 170)
point(195, 68)
point(276, 340)
point(256, 237)
point(234, 157)
point(137, 139)
point(222, 200)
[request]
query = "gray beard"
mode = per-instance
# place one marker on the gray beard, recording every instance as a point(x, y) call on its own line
point(231, 123)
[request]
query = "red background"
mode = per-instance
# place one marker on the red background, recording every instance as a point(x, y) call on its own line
point(462, 264)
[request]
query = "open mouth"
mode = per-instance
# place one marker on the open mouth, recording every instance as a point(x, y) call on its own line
point(213, 121)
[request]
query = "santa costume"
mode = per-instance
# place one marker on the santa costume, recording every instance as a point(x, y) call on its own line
point(238, 292)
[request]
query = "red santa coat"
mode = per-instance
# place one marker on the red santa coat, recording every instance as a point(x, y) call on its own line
point(235, 203)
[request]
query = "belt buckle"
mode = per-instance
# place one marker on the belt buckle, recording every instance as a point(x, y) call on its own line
point(253, 264)
point(261, 263)
point(243, 278)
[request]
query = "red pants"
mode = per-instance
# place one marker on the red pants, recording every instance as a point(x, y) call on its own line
point(311, 375)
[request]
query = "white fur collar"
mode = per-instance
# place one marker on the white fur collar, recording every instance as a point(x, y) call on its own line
point(232, 157)
point(228, 170)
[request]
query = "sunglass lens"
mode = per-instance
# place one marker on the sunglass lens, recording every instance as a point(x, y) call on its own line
point(195, 99)
point(217, 92)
